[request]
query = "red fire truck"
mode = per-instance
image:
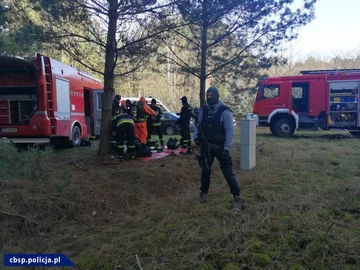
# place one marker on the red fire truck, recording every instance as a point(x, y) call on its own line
point(324, 99)
point(43, 100)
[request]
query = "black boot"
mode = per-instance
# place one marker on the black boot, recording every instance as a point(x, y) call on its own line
point(203, 197)
point(236, 204)
point(120, 152)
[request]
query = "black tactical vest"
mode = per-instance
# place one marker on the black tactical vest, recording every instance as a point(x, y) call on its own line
point(211, 127)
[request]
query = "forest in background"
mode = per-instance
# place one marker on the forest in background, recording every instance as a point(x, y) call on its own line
point(170, 65)
point(164, 80)
point(166, 49)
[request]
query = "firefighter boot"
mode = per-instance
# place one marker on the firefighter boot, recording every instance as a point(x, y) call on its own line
point(203, 197)
point(120, 150)
point(236, 204)
point(162, 143)
point(131, 151)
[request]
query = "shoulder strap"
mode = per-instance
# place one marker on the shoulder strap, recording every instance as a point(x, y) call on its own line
point(205, 111)
point(221, 109)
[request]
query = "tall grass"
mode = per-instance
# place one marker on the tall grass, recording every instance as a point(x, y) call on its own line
point(26, 164)
point(302, 209)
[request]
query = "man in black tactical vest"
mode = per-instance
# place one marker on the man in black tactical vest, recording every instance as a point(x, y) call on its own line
point(214, 133)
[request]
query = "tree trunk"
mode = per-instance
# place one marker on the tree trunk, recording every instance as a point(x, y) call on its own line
point(203, 56)
point(105, 132)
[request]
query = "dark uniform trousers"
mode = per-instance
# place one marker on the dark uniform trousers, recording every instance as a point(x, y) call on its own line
point(157, 126)
point(113, 134)
point(185, 135)
point(125, 131)
point(226, 168)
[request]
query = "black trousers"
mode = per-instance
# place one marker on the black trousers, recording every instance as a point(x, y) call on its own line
point(227, 170)
point(125, 131)
point(150, 129)
point(185, 135)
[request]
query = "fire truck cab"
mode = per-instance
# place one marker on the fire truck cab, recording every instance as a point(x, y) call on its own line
point(324, 99)
point(43, 101)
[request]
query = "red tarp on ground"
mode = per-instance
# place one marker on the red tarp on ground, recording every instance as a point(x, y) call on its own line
point(165, 153)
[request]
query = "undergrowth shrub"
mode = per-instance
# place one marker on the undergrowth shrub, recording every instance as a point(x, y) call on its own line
point(23, 164)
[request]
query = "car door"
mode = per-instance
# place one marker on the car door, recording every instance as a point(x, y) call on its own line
point(165, 120)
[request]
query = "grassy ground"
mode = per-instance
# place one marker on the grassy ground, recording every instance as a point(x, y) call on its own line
point(302, 208)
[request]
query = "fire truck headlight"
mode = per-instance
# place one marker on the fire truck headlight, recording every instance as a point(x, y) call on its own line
point(34, 127)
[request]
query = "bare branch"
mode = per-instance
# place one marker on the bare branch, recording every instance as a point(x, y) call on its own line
point(76, 56)
point(187, 38)
point(180, 63)
point(237, 55)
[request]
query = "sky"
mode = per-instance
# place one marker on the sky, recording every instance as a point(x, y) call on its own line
point(336, 28)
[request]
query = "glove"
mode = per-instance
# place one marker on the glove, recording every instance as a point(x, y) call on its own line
point(197, 141)
point(226, 159)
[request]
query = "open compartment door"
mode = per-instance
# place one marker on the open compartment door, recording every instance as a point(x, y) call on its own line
point(97, 109)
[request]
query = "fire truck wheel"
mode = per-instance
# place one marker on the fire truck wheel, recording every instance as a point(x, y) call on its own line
point(76, 137)
point(355, 134)
point(284, 127)
point(272, 130)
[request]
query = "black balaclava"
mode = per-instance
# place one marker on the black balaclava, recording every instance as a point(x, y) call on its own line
point(213, 98)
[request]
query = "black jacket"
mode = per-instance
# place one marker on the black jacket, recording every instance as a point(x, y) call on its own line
point(115, 108)
point(158, 113)
point(185, 114)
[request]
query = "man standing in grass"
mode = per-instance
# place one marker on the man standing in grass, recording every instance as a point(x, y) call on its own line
point(184, 122)
point(214, 133)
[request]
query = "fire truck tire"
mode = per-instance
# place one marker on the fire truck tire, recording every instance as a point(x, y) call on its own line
point(355, 134)
point(75, 137)
point(272, 129)
point(284, 127)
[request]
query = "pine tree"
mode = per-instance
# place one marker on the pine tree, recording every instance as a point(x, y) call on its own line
point(235, 35)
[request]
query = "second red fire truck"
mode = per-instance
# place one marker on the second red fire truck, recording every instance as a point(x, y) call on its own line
point(43, 100)
point(317, 99)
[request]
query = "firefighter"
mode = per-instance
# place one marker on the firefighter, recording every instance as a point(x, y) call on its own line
point(184, 122)
point(140, 112)
point(115, 112)
point(155, 122)
point(116, 105)
point(214, 133)
point(124, 126)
